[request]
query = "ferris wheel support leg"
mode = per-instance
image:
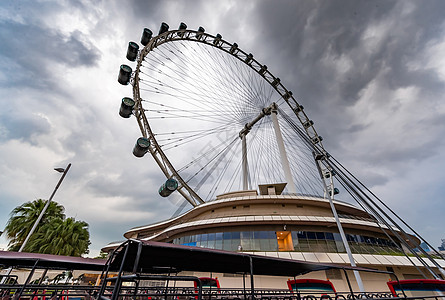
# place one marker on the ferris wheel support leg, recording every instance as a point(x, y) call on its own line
point(283, 155)
point(330, 194)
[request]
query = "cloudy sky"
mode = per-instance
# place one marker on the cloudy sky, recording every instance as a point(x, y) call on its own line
point(371, 74)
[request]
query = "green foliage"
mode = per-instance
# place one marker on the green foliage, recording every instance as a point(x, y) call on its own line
point(23, 218)
point(55, 234)
point(61, 237)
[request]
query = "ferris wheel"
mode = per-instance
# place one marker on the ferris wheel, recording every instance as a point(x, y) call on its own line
point(215, 119)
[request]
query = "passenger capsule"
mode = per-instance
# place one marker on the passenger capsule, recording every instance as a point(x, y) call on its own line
point(319, 156)
point(126, 109)
point(217, 39)
point(124, 74)
point(263, 69)
point(336, 192)
point(233, 48)
point(201, 30)
point(164, 28)
point(182, 26)
point(249, 58)
point(168, 187)
point(141, 147)
point(287, 95)
point(308, 124)
point(298, 108)
point(146, 36)
point(275, 82)
point(132, 51)
point(316, 139)
point(328, 173)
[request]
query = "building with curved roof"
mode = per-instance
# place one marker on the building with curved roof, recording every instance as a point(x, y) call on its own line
point(290, 226)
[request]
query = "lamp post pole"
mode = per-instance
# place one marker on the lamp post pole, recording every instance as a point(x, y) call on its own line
point(60, 170)
point(46, 206)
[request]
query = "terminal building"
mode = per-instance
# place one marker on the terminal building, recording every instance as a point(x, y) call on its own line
point(268, 222)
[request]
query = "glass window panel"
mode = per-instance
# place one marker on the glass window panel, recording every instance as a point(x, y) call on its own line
point(302, 235)
point(261, 234)
point(320, 235)
point(329, 236)
point(218, 244)
point(227, 235)
point(227, 244)
point(219, 236)
point(235, 244)
point(256, 244)
point(311, 235)
point(211, 236)
point(246, 235)
point(304, 246)
point(236, 235)
point(204, 237)
point(337, 237)
point(271, 235)
point(265, 245)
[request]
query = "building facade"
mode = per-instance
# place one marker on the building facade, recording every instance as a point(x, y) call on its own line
point(296, 227)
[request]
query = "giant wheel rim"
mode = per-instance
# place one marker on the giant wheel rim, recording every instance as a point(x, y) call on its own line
point(303, 124)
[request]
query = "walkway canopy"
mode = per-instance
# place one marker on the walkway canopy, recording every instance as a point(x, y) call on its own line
point(48, 261)
point(156, 257)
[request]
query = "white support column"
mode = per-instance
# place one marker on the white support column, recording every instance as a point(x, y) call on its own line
point(330, 193)
point(244, 162)
point(283, 155)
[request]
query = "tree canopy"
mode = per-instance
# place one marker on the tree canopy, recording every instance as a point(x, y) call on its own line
point(55, 233)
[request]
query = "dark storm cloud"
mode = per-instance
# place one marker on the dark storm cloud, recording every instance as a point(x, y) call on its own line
point(28, 50)
point(336, 28)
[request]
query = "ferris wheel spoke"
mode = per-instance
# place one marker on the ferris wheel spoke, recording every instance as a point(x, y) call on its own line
point(182, 141)
point(193, 98)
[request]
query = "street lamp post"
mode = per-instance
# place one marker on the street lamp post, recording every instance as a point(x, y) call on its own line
point(60, 170)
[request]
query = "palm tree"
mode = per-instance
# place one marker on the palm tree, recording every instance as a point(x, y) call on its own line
point(23, 218)
point(61, 237)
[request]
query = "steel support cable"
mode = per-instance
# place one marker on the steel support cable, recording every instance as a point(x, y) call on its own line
point(272, 160)
point(269, 168)
point(195, 101)
point(194, 116)
point(264, 156)
point(381, 219)
point(388, 208)
point(234, 89)
point(219, 178)
point(395, 224)
point(188, 133)
point(357, 191)
point(368, 205)
point(189, 100)
point(189, 139)
point(238, 77)
point(381, 228)
point(223, 172)
point(212, 159)
point(303, 136)
point(303, 172)
point(181, 81)
point(205, 154)
point(179, 140)
point(220, 157)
